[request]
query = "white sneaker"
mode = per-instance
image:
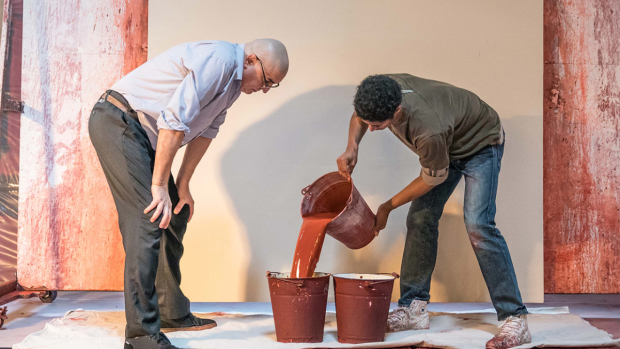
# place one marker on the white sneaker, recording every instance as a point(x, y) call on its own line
point(413, 317)
point(513, 332)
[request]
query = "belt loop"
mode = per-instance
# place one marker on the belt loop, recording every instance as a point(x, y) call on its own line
point(104, 97)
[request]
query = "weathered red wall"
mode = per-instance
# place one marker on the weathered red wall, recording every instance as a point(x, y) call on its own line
point(582, 146)
point(72, 52)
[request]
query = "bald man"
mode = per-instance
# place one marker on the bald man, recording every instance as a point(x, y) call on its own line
point(177, 98)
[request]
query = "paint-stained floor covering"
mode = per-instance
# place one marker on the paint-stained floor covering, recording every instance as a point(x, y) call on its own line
point(30, 315)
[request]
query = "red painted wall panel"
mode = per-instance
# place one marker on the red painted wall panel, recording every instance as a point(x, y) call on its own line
point(72, 52)
point(581, 146)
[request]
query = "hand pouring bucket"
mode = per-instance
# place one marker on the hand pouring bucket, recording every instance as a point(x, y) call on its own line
point(355, 224)
point(362, 306)
point(299, 306)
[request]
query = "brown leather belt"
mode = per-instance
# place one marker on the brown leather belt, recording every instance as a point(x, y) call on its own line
point(107, 97)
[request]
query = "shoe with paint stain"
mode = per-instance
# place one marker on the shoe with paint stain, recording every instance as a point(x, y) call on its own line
point(154, 341)
point(413, 317)
point(512, 332)
point(187, 323)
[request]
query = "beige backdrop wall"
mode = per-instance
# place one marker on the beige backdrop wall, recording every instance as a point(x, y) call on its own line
point(247, 189)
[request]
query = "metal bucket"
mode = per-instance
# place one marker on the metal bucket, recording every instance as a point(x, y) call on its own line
point(299, 306)
point(362, 306)
point(355, 224)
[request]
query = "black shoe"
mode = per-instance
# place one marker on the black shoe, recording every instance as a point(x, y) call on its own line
point(154, 341)
point(187, 323)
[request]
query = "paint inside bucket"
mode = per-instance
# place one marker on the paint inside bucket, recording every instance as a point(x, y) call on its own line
point(354, 222)
point(362, 306)
point(331, 206)
point(299, 306)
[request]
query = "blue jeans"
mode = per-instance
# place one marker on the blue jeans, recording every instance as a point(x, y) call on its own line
point(481, 172)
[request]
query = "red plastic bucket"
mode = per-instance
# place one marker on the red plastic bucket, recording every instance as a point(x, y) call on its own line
point(299, 306)
point(362, 306)
point(355, 224)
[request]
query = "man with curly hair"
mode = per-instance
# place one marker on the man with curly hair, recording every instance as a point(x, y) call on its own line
point(455, 134)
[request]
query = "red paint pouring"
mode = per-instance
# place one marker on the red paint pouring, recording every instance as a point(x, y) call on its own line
point(333, 206)
point(310, 243)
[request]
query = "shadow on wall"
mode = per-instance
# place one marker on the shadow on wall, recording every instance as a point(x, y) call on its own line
point(271, 161)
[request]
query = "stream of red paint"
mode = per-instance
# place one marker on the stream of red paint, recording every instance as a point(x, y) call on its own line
point(310, 243)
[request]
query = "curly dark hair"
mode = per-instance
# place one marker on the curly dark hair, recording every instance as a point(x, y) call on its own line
point(377, 98)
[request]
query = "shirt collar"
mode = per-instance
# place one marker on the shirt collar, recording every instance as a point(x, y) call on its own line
point(240, 56)
point(404, 116)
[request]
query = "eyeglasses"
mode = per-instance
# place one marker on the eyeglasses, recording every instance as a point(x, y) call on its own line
point(273, 85)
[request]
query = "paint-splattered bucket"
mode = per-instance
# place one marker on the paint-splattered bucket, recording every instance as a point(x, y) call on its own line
point(362, 306)
point(299, 306)
point(355, 224)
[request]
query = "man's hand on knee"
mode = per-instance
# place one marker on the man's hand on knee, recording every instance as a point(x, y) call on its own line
point(162, 205)
point(185, 197)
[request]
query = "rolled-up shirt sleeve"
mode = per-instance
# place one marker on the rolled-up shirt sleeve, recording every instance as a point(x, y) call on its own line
point(214, 128)
point(202, 84)
point(434, 158)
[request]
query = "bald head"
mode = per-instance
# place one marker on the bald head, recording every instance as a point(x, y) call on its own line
point(264, 55)
point(272, 52)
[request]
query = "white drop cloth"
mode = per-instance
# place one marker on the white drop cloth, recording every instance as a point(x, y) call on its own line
point(103, 330)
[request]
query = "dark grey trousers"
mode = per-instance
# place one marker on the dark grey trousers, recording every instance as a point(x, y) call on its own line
point(152, 255)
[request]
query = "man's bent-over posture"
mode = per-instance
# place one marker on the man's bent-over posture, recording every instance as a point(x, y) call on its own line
point(456, 135)
point(178, 98)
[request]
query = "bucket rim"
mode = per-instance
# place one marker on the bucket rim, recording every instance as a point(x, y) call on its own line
point(280, 275)
point(349, 199)
point(366, 276)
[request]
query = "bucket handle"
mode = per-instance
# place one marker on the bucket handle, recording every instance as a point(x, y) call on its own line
point(371, 284)
point(305, 190)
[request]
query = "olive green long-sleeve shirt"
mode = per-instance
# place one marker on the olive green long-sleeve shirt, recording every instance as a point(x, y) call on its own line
point(442, 123)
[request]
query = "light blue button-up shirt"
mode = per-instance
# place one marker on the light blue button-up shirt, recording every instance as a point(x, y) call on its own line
point(188, 88)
